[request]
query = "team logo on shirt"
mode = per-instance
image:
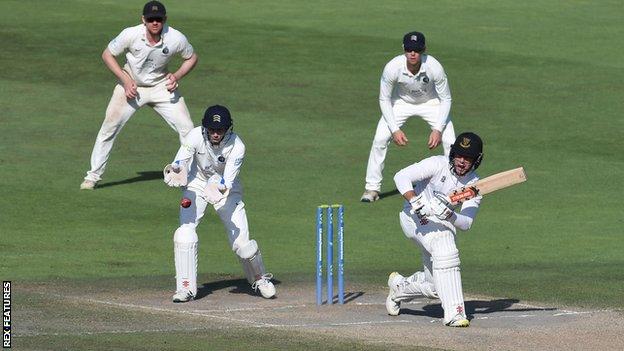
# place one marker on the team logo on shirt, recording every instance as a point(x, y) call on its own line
point(165, 50)
point(422, 76)
point(465, 143)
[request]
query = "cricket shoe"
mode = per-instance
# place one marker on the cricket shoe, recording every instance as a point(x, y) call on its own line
point(267, 289)
point(87, 184)
point(183, 296)
point(459, 321)
point(395, 280)
point(370, 196)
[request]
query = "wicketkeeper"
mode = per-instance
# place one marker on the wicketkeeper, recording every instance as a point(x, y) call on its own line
point(207, 167)
point(430, 221)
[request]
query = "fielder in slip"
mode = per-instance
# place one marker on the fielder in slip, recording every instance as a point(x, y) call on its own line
point(429, 219)
point(144, 80)
point(207, 167)
point(412, 84)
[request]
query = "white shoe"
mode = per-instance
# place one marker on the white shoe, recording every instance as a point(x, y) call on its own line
point(183, 296)
point(87, 184)
point(394, 282)
point(459, 321)
point(267, 289)
point(370, 196)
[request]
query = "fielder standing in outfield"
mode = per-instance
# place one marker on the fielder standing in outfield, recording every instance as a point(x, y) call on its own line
point(213, 155)
point(430, 221)
point(412, 84)
point(144, 80)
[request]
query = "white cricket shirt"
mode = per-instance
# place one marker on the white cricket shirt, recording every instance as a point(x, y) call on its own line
point(148, 64)
point(434, 174)
point(205, 160)
point(397, 82)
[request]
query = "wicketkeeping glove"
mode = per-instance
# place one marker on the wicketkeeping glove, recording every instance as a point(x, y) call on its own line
point(175, 174)
point(441, 206)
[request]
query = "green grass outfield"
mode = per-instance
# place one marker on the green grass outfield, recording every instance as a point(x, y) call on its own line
point(541, 82)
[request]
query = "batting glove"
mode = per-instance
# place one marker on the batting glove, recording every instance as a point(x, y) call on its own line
point(441, 206)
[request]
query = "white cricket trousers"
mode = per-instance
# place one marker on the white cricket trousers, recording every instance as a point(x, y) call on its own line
point(169, 105)
point(428, 111)
point(232, 214)
point(440, 259)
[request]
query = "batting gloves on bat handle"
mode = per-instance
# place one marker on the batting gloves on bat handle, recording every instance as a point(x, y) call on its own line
point(441, 206)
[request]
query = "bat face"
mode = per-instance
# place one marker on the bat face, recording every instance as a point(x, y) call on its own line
point(487, 185)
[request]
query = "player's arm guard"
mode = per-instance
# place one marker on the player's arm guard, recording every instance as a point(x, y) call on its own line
point(175, 175)
point(441, 206)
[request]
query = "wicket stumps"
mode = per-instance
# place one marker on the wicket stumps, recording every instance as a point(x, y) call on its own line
point(329, 264)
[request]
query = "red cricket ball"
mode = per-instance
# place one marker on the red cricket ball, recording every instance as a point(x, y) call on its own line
point(186, 202)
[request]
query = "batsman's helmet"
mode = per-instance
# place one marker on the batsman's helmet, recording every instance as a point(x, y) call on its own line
point(467, 144)
point(216, 117)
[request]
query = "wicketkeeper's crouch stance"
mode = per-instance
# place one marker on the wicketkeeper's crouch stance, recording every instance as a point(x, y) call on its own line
point(213, 155)
point(429, 220)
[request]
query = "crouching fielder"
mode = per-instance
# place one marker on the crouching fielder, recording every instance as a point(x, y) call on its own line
point(430, 222)
point(212, 156)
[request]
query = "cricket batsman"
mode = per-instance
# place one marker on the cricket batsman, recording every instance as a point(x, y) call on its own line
point(412, 84)
point(431, 222)
point(143, 80)
point(207, 167)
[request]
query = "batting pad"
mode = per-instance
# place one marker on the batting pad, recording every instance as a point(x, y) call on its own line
point(446, 275)
point(185, 254)
point(251, 260)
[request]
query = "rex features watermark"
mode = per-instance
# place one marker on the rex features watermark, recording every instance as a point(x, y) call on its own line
point(6, 315)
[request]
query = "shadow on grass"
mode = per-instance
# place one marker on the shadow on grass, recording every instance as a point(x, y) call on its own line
point(236, 286)
point(476, 307)
point(142, 177)
point(388, 194)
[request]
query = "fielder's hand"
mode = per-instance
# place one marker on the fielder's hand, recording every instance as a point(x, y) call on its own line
point(399, 138)
point(441, 206)
point(175, 175)
point(130, 86)
point(434, 139)
point(172, 83)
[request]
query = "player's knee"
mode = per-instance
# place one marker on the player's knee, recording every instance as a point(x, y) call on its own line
point(246, 250)
point(446, 260)
point(185, 234)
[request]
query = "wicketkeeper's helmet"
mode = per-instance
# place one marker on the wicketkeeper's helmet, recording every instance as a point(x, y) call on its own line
point(217, 117)
point(470, 145)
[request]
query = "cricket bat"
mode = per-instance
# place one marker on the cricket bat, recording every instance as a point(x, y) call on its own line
point(487, 185)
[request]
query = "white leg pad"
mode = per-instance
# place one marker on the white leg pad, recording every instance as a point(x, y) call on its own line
point(251, 260)
point(185, 253)
point(447, 277)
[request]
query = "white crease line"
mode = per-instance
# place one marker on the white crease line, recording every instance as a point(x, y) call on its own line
point(256, 324)
point(243, 309)
point(383, 304)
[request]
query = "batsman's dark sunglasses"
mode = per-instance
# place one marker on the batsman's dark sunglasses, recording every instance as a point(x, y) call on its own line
point(154, 19)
